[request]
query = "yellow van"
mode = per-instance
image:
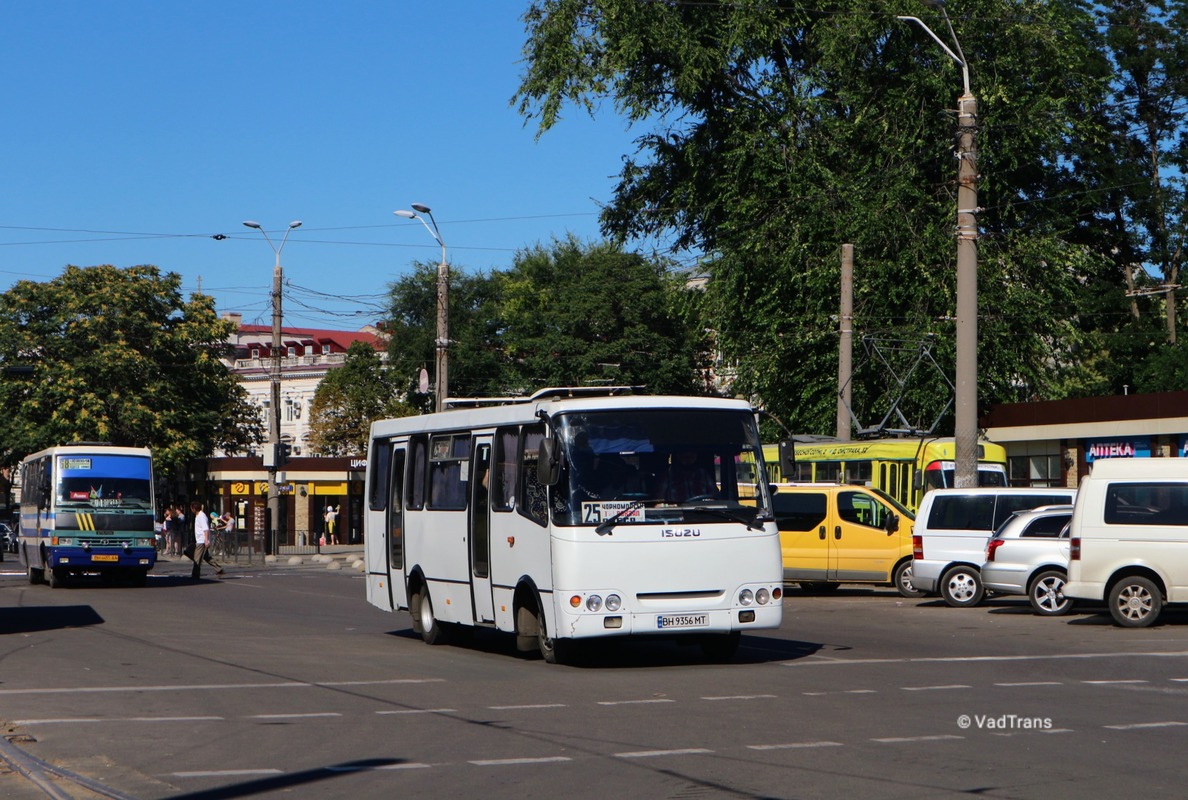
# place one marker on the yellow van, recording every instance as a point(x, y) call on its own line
point(832, 534)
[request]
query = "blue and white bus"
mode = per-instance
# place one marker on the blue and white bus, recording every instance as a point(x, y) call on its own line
point(87, 508)
point(571, 514)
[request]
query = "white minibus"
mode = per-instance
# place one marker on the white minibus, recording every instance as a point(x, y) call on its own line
point(572, 514)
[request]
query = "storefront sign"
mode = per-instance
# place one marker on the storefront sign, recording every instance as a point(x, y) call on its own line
point(1121, 447)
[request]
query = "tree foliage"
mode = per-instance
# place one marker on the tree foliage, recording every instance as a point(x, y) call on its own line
point(349, 399)
point(566, 314)
point(118, 356)
point(772, 133)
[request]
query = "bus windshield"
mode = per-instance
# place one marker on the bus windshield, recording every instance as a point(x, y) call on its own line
point(658, 466)
point(104, 481)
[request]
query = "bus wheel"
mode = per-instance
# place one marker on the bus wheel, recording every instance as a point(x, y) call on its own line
point(902, 578)
point(553, 651)
point(55, 577)
point(36, 575)
point(421, 607)
point(720, 648)
point(138, 577)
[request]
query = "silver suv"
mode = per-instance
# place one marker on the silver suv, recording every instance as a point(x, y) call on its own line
point(1028, 554)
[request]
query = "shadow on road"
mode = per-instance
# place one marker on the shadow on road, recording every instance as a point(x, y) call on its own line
point(29, 619)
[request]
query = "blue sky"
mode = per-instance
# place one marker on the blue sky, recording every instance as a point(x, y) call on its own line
point(135, 131)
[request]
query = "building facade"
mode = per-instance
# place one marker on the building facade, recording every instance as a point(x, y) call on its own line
point(1055, 443)
point(308, 485)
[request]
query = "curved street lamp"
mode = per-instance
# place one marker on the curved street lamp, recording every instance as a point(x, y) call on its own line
point(965, 428)
point(271, 459)
point(442, 343)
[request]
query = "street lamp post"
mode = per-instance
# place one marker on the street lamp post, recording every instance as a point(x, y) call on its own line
point(274, 422)
point(966, 383)
point(442, 343)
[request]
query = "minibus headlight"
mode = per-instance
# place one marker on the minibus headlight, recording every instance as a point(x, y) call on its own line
point(613, 602)
point(746, 597)
point(762, 596)
point(593, 603)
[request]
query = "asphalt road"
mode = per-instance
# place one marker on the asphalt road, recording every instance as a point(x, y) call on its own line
point(283, 680)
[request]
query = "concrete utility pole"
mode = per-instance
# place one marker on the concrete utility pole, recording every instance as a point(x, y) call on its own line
point(271, 454)
point(845, 347)
point(966, 383)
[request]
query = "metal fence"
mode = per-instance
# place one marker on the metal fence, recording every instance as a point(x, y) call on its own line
point(247, 547)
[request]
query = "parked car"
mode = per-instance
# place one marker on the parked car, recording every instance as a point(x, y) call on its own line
point(8, 542)
point(832, 534)
point(952, 528)
point(1129, 545)
point(1028, 554)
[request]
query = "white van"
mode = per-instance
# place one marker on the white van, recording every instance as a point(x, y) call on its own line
point(951, 532)
point(1130, 538)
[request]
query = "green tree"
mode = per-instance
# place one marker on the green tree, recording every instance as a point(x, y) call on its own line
point(771, 133)
point(579, 315)
point(118, 356)
point(348, 399)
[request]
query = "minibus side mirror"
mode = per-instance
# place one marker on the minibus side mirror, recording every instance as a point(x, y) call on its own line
point(548, 468)
point(892, 523)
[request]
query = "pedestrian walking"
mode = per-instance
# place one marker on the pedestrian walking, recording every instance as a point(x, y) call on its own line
point(201, 541)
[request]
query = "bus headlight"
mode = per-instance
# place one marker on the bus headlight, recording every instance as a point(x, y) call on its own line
point(593, 603)
point(762, 596)
point(613, 602)
point(746, 597)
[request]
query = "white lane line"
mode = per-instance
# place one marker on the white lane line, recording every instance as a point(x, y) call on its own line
point(226, 773)
point(1031, 683)
point(908, 739)
point(935, 688)
point(839, 691)
point(528, 707)
point(632, 702)
point(1140, 725)
point(502, 762)
point(422, 711)
point(216, 686)
point(80, 720)
point(378, 767)
point(1108, 683)
point(690, 751)
point(741, 697)
point(793, 745)
point(822, 661)
point(296, 716)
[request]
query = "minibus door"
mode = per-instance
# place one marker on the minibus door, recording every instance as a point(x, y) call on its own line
point(479, 521)
point(395, 532)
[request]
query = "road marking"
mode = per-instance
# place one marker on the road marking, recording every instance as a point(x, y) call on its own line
point(1107, 683)
point(793, 745)
point(377, 767)
point(632, 702)
point(226, 773)
point(690, 751)
point(79, 720)
point(296, 716)
point(935, 688)
point(1031, 683)
point(905, 739)
point(501, 762)
point(526, 707)
point(741, 697)
point(216, 686)
point(422, 711)
point(1139, 725)
point(840, 691)
point(822, 661)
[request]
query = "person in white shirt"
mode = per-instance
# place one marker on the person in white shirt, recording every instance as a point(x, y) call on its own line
point(201, 540)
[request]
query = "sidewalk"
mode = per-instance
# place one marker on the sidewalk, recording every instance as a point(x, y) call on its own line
point(335, 556)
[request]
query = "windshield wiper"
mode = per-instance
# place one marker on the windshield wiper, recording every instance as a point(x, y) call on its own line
point(605, 526)
point(728, 515)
